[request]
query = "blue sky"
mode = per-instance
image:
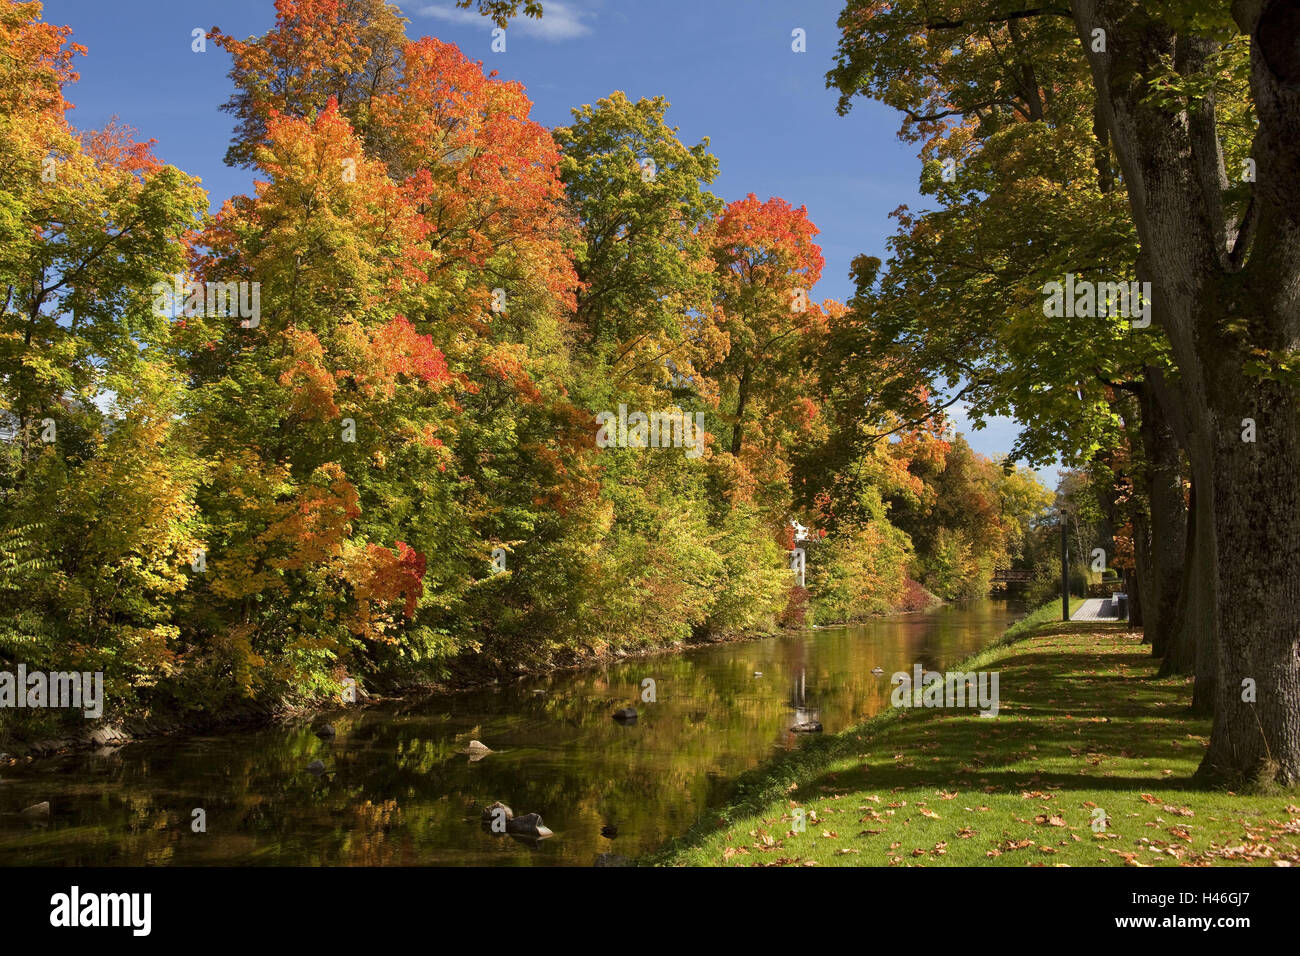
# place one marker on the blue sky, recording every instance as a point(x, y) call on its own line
point(726, 66)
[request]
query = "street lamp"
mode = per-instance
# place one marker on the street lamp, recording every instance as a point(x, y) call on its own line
point(1065, 570)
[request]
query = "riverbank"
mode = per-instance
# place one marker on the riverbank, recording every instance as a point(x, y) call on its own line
point(464, 675)
point(1088, 763)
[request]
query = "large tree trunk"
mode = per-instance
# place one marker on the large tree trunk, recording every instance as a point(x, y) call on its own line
point(1200, 587)
point(1227, 294)
point(1256, 718)
point(1172, 639)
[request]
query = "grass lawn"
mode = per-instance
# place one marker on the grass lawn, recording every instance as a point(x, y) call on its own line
point(1084, 726)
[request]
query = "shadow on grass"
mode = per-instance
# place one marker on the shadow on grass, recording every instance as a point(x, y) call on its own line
point(1084, 713)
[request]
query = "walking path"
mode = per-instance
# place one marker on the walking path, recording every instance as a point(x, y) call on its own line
point(1096, 609)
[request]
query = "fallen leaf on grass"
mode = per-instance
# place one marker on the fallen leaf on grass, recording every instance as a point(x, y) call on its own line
point(1130, 859)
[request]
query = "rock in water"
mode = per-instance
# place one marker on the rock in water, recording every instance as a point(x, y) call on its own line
point(529, 825)
point(496, 810)
point(478, 747)
point(37, 811)
point(807, 727)
point(625, 714)
point(316, 767)
point(325, 731)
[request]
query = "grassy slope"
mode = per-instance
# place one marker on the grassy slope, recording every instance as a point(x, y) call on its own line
point(1084, 724)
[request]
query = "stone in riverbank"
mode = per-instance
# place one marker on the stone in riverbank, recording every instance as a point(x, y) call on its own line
point(477, 750)
point(625, 715)
point(497, 817)
point(530, 826)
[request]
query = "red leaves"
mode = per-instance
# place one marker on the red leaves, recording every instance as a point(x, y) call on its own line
point(397, 576)
point(482, 174)
point(397, 349)
point(769, 240)
point(115, 145)
point(380, 575)
point(382, 358)
point(313, 385)
point(505, 363)
point(35, 64)
point(319, 523)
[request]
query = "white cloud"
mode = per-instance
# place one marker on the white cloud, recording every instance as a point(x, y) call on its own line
point(559, 21)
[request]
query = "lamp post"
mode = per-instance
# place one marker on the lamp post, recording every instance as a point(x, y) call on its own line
point(1065, 571)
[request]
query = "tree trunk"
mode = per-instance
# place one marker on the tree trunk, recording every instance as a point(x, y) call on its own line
point(1133, 588)
point(1171, 639)
point(1142, 581)
point(1200, 585)
point(742, 398)
point(1256, 733)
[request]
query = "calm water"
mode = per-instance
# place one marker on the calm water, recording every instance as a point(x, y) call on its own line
point(399, 790)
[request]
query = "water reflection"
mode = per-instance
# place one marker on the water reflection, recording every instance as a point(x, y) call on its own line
point(398, 787)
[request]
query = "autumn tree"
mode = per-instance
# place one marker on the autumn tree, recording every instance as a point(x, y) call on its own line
point(645, 276)
point(767, 264)
point(93, 478)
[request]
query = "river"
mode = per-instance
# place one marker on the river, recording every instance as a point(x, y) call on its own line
point(399, 790)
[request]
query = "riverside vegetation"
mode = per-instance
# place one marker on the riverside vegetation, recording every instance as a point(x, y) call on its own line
point(389, 474)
